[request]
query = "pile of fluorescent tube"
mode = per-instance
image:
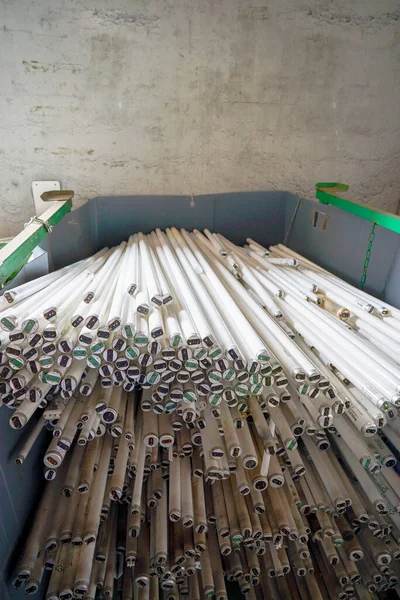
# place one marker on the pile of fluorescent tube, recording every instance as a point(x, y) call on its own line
point(214, 413)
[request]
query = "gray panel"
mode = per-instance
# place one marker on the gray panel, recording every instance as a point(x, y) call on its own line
point(259, 215)
point(342, 246)
point(5, 541)
point(392, 289)
point(20, 488)
point(120, 216)
point(4, 595)
point(73, 237)
point(106, 221)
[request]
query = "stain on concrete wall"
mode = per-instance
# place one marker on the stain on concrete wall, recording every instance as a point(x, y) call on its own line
point(180, 97)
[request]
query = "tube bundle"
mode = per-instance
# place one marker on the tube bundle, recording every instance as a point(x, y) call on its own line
point(215, 412)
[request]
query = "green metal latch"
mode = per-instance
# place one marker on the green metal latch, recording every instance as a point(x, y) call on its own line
point(327, 193)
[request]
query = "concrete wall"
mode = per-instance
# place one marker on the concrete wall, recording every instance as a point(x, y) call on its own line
point(187, 96)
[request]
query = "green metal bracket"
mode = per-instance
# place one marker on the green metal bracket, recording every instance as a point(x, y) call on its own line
point(17, 252)
point(326, 193)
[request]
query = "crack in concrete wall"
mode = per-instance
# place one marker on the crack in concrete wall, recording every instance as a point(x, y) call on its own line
point(198, 97)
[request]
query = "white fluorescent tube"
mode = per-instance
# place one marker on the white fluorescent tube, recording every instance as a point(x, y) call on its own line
point(150, 273)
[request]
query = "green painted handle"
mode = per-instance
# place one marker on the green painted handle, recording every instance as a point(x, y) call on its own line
point(325, 193)
point(19, 257)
